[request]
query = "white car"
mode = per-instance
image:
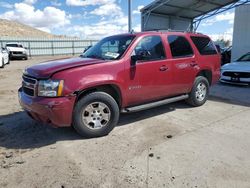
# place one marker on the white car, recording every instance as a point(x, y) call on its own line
point(237, 72)
point(16, 51)
point(4, 57)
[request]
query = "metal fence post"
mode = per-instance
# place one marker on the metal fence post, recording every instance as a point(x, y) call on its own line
point(29, 48)
point(52, 48)
point(73, 48)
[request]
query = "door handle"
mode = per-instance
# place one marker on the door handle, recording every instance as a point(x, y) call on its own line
point(163, 68)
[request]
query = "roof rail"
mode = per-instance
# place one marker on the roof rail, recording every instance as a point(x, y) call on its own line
point(173, 30)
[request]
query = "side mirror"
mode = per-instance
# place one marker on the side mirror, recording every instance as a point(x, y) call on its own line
point(140, 55)
point(134, 59)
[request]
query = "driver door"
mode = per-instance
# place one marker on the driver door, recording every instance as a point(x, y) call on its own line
point(150, 78)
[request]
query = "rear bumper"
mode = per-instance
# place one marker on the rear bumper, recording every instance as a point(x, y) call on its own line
point(54, 111)
point(216, 77)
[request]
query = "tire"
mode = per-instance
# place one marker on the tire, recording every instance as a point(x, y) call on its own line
point(95, 115)
point(2, 64)
point(26, 58)
point(199, 93)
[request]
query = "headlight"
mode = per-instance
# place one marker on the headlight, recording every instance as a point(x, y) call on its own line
point(50, 88)
point(24, 52)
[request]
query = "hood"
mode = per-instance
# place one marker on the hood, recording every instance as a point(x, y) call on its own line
point(237, 66)
point(46, 69)
point(15, 49)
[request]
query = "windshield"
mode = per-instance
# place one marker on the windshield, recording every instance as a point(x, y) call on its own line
point(245, 57)
point(110, 48)
point(14, 45)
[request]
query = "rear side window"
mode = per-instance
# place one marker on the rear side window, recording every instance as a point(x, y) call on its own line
point(204, 45)
point(179, 46)
point(153, 45)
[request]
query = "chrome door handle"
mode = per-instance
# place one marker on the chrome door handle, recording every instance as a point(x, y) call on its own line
point(163, 68)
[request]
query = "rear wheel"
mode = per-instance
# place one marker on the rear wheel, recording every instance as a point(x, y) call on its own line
point(95, 115)
point(198, 95)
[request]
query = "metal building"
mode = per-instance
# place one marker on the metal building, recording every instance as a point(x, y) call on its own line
point(241, 34)
point(182, 14)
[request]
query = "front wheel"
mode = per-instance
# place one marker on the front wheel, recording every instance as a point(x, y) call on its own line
point(95, 115)
point(199, 93)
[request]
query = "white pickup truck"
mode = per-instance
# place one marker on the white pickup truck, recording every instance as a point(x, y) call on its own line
point(4, 57)
point(16, 51)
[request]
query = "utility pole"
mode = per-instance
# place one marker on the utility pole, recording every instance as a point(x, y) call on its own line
point(129, 16)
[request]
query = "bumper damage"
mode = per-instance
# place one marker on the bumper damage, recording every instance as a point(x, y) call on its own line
point(54, 111)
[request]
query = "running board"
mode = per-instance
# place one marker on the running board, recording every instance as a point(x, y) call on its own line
point(154, 104)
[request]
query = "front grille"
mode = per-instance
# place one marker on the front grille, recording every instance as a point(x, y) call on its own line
point(237, 74)
point(17, 52)
point(28, 91)
point(29, 80)
point(29, 85)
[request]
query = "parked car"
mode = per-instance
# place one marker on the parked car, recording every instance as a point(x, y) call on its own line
point(237, 72)
point(226, 55)
point(121, 73)
point(16, 51)
point(4, 57)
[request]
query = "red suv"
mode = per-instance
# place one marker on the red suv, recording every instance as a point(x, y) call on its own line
point(121, 73)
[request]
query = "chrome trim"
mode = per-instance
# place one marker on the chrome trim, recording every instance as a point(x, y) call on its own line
point(29, 85)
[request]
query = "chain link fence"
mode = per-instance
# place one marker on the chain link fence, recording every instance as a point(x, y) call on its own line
point(51, 46)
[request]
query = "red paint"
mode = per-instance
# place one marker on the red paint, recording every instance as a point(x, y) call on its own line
point(148, 83)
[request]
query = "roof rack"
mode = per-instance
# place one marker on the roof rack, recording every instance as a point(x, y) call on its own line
point(173, 30)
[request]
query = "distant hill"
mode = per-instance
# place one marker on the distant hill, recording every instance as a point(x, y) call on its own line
point(15, 29)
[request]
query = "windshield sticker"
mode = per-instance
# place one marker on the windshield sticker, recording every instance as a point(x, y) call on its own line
point(112, 54)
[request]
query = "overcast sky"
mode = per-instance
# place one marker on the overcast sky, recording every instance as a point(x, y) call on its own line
point(94, 18)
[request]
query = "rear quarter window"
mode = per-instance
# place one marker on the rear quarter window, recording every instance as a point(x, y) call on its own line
point(204, 45)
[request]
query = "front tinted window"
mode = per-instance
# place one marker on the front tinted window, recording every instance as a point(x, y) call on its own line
point(204, 45)
point(153, 46)
point(110, 48)
point(15, 45)
point(245, 57)
point(179, 46)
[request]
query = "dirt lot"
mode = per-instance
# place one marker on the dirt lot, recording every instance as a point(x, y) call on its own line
point(170, 146)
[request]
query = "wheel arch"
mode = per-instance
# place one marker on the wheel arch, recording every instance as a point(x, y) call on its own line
point(110, 89)
point(207, 74)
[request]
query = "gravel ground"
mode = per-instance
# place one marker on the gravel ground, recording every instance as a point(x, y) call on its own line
point(169, 146)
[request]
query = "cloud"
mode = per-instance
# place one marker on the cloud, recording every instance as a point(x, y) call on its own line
point(5, 5)
point(227, 35)
point(47, 19)
point(55, 3)
point(219, 18)
point(108, 9)
point(29, 2)
point(137, 28)
point(138, 10)
point(112, 21)
point(88, 2)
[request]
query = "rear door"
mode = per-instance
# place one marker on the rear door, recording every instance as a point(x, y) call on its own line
point(184, 63)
